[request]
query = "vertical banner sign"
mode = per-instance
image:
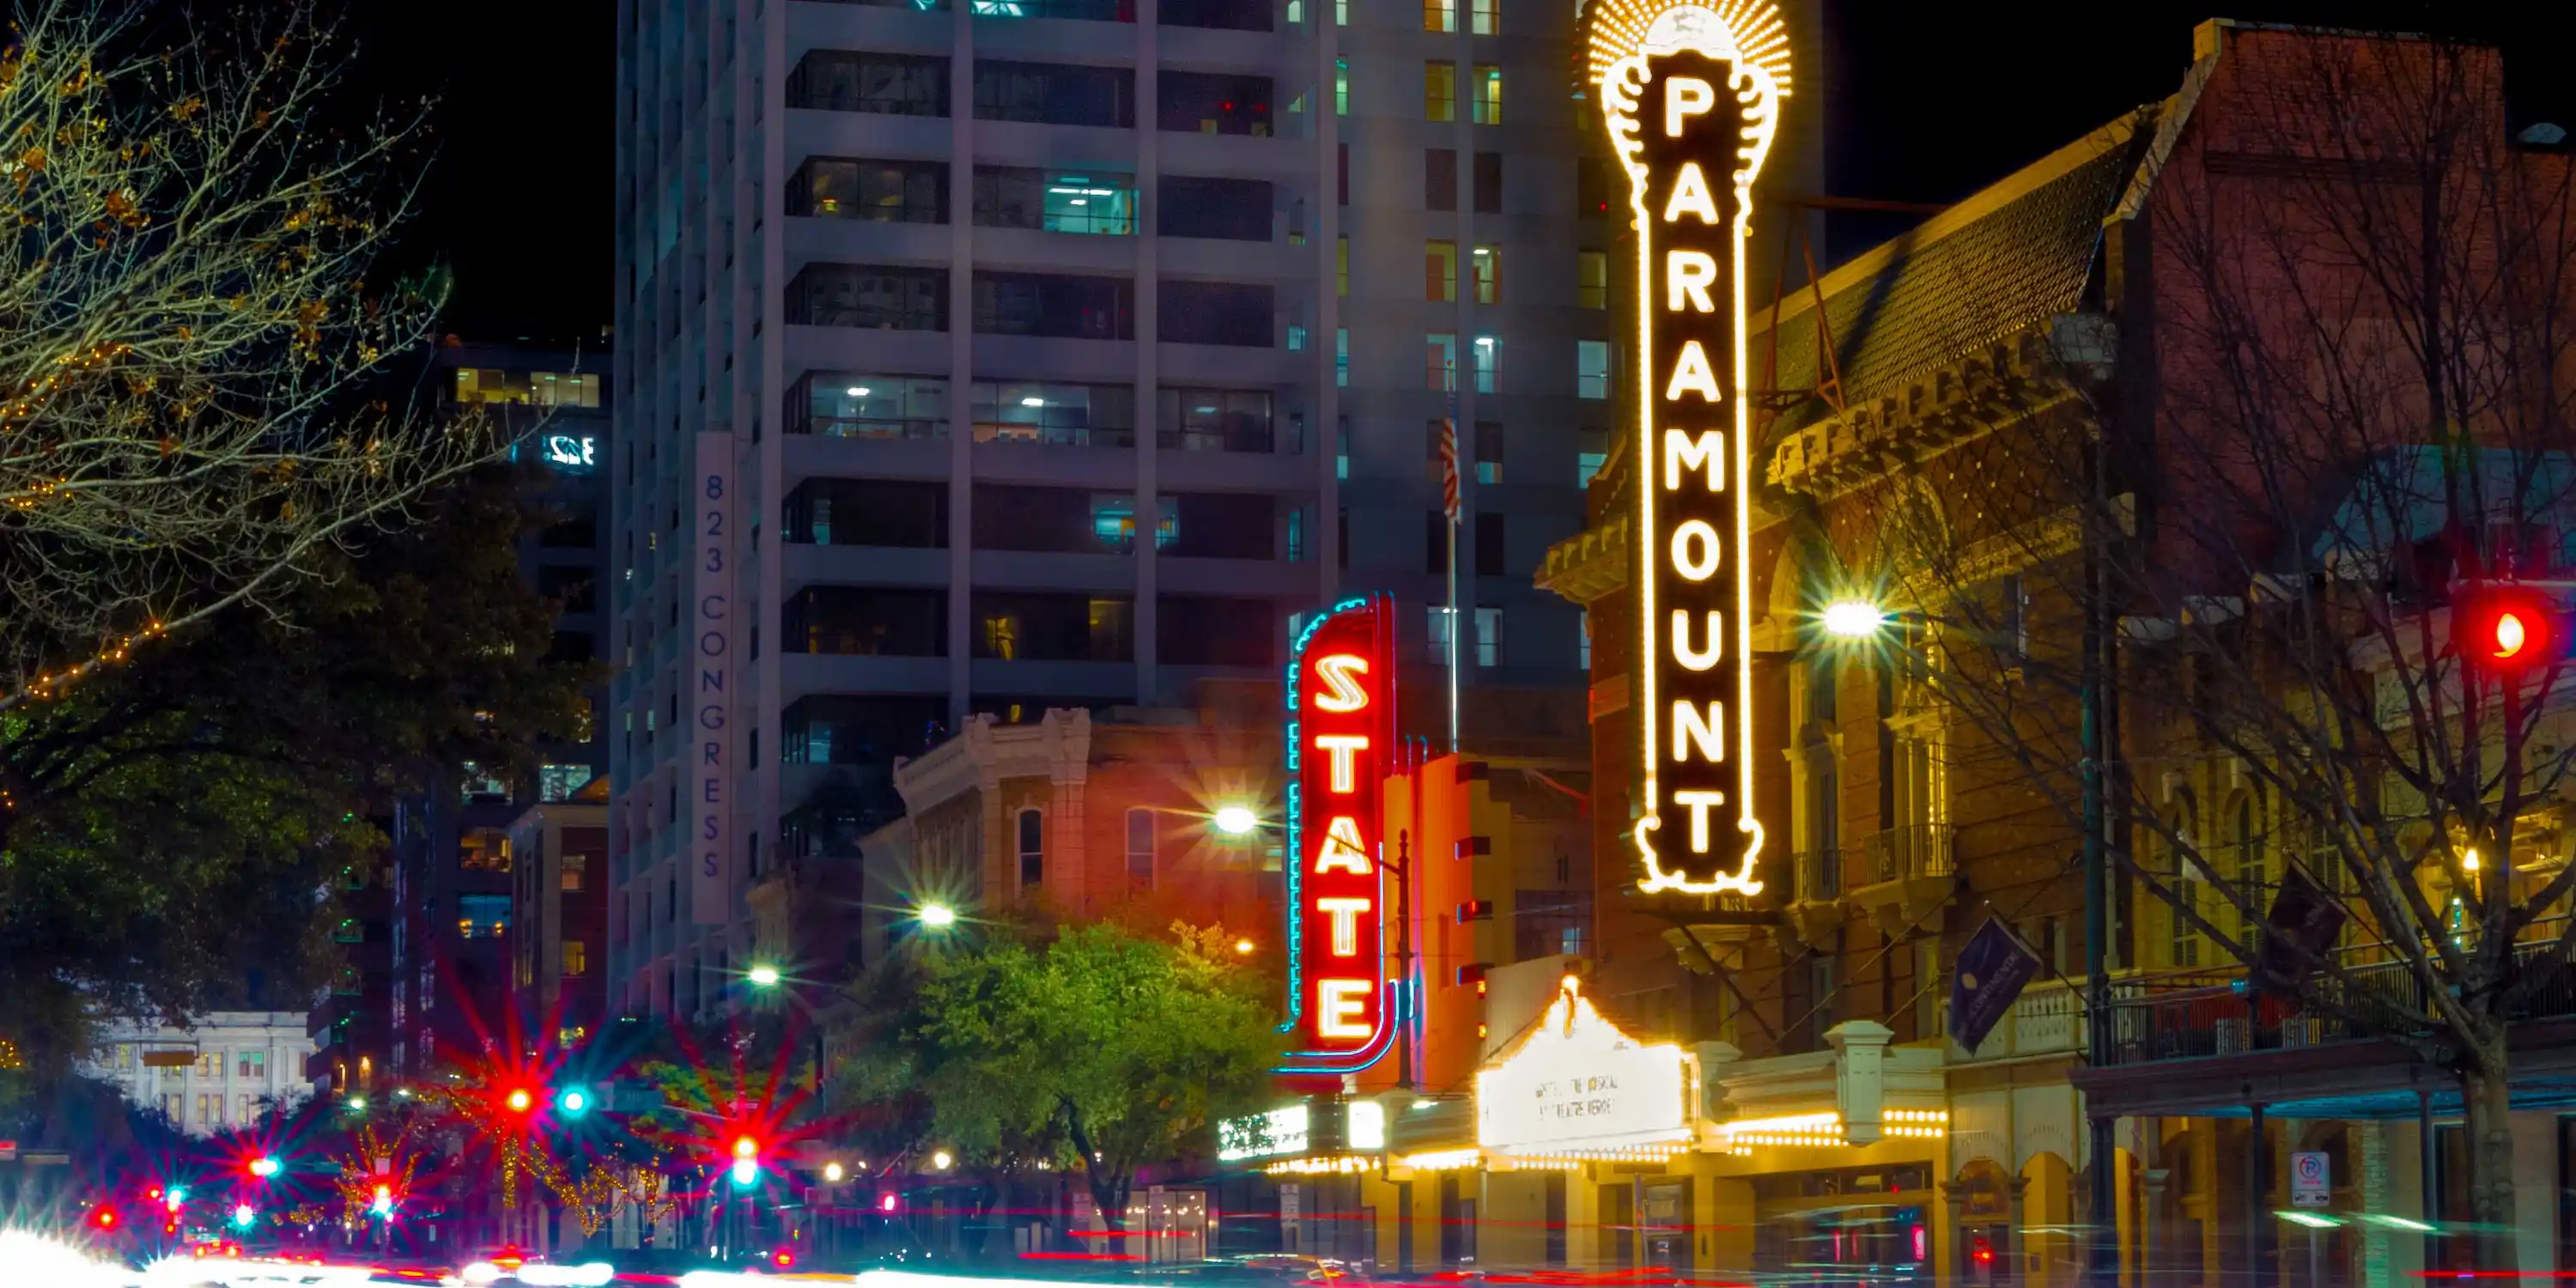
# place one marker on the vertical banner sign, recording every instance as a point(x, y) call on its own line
point(1691, 95)
point(1342, 1000)
point(708, 681)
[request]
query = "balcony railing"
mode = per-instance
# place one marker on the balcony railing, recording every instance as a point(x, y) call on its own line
point(1820, 875)
point(1913, 850)
point(2367, 1002)
point(878, 427)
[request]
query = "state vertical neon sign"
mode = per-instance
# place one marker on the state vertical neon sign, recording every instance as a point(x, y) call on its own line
point(1691, 96)
point(1342, 998)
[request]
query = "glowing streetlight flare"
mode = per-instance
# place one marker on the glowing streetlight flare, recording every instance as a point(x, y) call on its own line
point(519, 1100)
point(942, 1161)
point(763, 976)
point(1245, 947)
point(1852, 619)
point(938, 916)
point(832, 1172)
point(1235, 820)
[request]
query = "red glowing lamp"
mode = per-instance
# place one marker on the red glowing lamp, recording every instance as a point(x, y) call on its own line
point(2506, 631)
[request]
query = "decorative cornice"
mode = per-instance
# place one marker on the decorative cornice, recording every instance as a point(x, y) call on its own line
point(2017, 377)
point(1589, 565)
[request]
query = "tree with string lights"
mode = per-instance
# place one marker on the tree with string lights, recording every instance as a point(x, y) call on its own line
point(191, 412)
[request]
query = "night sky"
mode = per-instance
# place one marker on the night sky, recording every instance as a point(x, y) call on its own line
point(1927, 100)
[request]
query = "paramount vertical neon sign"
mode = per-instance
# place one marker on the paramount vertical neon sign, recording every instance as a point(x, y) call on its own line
point(1341, 744)
point(1691, 95)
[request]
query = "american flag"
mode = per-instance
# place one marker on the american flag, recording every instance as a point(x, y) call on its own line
point(1449, 466)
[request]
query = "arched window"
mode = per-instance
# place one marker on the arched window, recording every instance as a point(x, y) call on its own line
point(2186, 888)
point(1819, 799)
point(1032, 848)
point(2252, 860)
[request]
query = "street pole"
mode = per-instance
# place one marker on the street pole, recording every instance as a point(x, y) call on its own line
point(1404, 953)
point(1455, 632)
point(2105, 1261)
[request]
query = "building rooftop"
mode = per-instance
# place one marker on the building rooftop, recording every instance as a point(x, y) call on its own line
point(2013, 255)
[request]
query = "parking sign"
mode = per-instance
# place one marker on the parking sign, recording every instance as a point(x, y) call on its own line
point(2311, 1183)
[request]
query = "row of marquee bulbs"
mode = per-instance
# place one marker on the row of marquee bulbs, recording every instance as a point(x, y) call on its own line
point(1460, 1160)
point(1826, 1129)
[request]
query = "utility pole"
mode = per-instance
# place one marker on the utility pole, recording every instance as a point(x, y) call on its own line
point(2104, 1263)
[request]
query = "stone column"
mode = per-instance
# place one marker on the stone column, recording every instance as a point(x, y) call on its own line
point(2369, 1156)
point(2150, 1230)
point(2014, 1189)
point(1957, 1194)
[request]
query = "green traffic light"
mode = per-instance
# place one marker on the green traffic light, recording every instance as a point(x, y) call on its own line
point(572, 1102)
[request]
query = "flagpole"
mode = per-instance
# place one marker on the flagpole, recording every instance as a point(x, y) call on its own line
point(1454, 631)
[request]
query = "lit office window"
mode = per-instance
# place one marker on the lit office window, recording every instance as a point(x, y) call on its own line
point(1489, 94)
point(1592, 368)
point(1440, 91)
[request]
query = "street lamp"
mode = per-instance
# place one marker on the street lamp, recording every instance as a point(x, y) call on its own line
point(1236, 820)
point(937, 916)
point(1853, 619)
point(763, 976)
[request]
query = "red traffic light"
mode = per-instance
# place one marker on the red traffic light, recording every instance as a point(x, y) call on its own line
point(520, 1100)
point(103, 1216)
point(2505, 630)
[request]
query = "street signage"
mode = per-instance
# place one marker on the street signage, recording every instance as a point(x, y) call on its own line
point(1342, 998)
point(2311, 1180)
point(1691, 95)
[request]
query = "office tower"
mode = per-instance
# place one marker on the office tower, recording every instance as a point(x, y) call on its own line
point(992, 356)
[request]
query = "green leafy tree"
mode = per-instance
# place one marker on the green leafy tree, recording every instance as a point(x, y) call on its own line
point(1099, 1051)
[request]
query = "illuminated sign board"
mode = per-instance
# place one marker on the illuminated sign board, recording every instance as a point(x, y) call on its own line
point(1691, 96)
point(1577, 1084)
point(572, 451)
point(1341, 745)
point(1281, 1131)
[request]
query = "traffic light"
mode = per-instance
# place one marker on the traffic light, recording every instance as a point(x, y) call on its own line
point(383, 1204)
point(244, 1215)
point(176, 1195)
point(572, 1102)
point(103, 1217)
point(520, 1100)
point(2505, 631)
point(746, 1161)
point(264, 1167)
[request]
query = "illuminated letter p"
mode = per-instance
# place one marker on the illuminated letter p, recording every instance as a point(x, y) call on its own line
point(1685, 96)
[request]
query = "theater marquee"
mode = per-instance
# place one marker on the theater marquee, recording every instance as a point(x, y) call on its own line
point(1343, 1002)
point(1691, 95)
